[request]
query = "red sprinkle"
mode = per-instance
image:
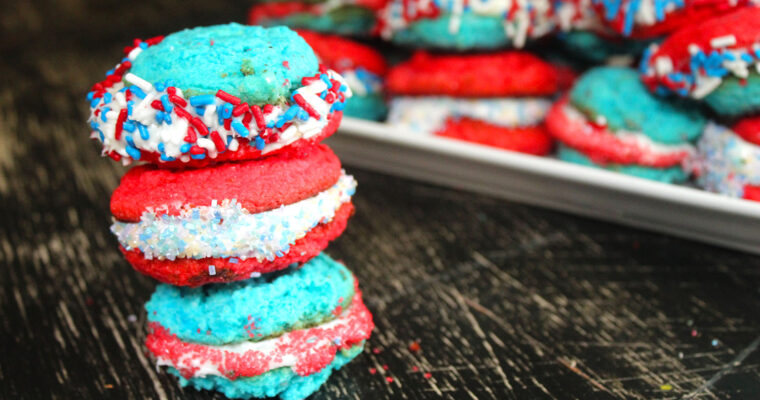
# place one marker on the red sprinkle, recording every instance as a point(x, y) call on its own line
point(330, 97)
point(191, 136)
point(114, 155)
point(247, 119)
point(389, 379)
point(227, 97)
point(228, 123)
point(218, 142)
point(177, 100)
point(120, 123)
point(373, 371)
point(239, 109)
point(306, 106)
point(197, 150)
point(199, 125)
point(258, 116)
point(183, 113)
point(268, 108)
point(385, 367)
point(286, 64)
point(171, 90)
point(157, 105)
point(414, 347)
point(428, 375)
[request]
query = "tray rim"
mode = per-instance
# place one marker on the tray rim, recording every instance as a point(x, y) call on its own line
point(354, 132)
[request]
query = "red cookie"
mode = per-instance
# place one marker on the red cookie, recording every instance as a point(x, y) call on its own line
point(343, 54)
point(229, 221)
point(748, 129)
point(501, 74)
point(599, 143)
point(529, 140)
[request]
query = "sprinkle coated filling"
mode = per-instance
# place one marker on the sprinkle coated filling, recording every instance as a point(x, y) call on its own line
point(305, 351)
point(428, 114)
point(638, 12)
point(705, 69)
point(225, 229)
point(726, 162)
point(523, 19)
point(131, 116)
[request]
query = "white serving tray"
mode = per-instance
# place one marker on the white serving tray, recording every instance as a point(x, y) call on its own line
point(550, 183)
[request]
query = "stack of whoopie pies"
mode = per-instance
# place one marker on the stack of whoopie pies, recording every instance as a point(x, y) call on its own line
point(232, 205)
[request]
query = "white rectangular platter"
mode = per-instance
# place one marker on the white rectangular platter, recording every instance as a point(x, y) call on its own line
point(546, 182)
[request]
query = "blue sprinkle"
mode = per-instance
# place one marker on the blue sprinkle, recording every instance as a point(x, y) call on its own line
point(137, 91)
point(159, 116)
point(323, 95)
point(102, 138)
point(144, 135)
point(167, 118)
point(240, 128)
point(202, 100)
point(233, 260)
point(303, 115)
point(130, 105)
point(343, 88)
point(161, 147)
point(226, 110)
point(747, 58)
point(110, 72)
point(168, 106)
point(94, 102)
point(198, 156)
point(143, 45)
point(107, 97)
point(128, 126)
point(129, 140)
point(103, 114)
point(200, 110)
point(94, 125)
point(90, 96)
point(259, 142)
point(164, 157)
point(270, 124)
point(326, 80)
point(185, 147)
point(133, 152)
point(159, 86)
point(291, 112)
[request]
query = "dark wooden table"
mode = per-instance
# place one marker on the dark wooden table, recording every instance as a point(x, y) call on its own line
point(504, 301)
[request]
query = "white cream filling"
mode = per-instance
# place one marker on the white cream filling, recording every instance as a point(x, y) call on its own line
point(226, 229)
point(428, 114)
point(267, 346)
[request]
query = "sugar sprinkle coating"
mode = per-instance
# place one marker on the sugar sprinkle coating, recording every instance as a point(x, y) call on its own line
point(726, 163)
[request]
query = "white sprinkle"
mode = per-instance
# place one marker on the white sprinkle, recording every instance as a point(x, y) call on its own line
point(705, 85)
point(663, 65)
point(134, 53)
point(693, 49)
point(131, 318)
point(255, 274)
point(139, 82)
point(723, 41)
point(211, 270)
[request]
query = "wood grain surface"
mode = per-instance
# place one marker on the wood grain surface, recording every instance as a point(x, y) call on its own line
point(473, 297)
